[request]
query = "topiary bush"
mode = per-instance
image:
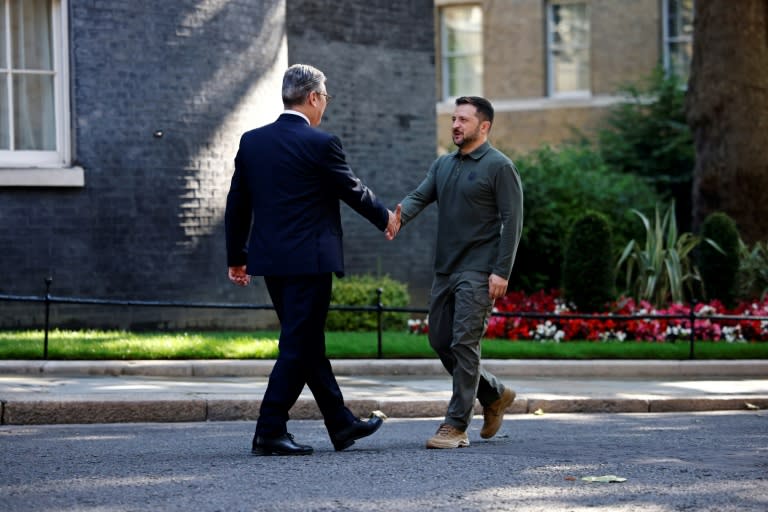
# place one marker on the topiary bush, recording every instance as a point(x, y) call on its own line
point(719, 268)
point(560, 185)
point(361, 291)
point(588, 263)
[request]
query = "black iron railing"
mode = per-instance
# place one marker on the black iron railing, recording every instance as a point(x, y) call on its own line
point(379, 308)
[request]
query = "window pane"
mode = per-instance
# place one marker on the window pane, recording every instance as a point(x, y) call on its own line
point(5, 140)
point(571, 27)
point(571, 71)
point(3, 35)
point(680, 18)
point(680, 55)
point(465, 74)
point(569, 50)
point(463, 29)
point(462, 50)
point(31, 34)
point(33, 116)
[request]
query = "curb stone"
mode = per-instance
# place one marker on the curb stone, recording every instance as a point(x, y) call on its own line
point(39, 412)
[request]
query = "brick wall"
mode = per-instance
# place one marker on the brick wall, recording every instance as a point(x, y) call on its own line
point(378, 57)
point(624, 47)
point(626, 42)
point(514, 43)
point(148, 223)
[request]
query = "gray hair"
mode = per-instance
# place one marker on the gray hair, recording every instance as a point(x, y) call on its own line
point(298, 81)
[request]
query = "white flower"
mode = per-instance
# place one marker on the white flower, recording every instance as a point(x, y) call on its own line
point(561, 307)
point(732, 334)
point(675, 331)
point(547, 331)
point(612, 335)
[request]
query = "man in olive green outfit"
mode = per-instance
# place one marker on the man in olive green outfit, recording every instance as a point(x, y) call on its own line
point(480, 219)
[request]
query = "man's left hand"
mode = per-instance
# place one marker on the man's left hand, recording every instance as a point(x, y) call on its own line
point(497, 287)
point(239, 276)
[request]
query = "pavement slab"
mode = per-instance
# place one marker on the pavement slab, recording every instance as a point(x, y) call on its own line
point(51, 392)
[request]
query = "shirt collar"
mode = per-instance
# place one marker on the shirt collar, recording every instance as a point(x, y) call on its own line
point(477, 154)
point(296, 113)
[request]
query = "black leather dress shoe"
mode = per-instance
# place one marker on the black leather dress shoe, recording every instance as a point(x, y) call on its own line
point(281, 445)
point(357, 430)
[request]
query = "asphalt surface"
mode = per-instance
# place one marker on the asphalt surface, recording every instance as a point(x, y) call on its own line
point(66, 392)
point(175, 436)
point(671, 462)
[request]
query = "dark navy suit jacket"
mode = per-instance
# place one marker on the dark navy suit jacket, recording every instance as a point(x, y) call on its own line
point(282, 215)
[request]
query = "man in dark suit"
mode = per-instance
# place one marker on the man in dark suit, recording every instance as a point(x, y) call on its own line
point(283, 222)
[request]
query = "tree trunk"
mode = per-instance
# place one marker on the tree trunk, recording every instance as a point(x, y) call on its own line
point(727, 110)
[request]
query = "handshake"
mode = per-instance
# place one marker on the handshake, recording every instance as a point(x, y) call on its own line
point(393, 226)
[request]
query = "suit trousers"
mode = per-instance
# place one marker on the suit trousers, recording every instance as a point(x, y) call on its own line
point(301, 303)
point(458, 317)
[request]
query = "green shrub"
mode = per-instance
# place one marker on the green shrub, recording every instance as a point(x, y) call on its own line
point(588, 274)
point(661, 269)
point(719, 266)
point(361, 291)
point(560, 185)
point(648, 136)
point(752, 279)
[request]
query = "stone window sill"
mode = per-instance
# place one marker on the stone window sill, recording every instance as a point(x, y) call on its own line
point(42, 177)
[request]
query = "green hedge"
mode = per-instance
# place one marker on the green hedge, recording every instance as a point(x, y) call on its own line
point(361, 291)
point(648, 136)
point(560, 185)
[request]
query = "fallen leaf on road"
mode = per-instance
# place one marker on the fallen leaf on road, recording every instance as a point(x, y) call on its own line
point(538, 412)
point(752, 407)
point(571, 478)
point(604, 478)
point(379, 414)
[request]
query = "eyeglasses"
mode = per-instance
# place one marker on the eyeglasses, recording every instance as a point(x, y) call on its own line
point(328, 97)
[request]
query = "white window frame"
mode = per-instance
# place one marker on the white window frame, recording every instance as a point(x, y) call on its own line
point(47, 168)
point(668, 40)
point(551, 48)
point(445, 56)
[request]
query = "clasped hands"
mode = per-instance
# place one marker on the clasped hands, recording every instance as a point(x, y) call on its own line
point(393, 226)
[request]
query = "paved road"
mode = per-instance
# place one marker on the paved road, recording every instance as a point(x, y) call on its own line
point(709, 461)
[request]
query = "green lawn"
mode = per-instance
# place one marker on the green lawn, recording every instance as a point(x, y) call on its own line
point(93, 345)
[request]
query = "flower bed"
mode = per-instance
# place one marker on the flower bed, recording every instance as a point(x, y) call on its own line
point(746, 322)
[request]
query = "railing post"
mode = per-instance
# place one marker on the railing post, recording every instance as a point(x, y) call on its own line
point(48, 281)
point(692, 317)
point(379, 327)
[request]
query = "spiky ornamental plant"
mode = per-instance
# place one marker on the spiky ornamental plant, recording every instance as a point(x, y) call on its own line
point(662, 269)
point(753, 271)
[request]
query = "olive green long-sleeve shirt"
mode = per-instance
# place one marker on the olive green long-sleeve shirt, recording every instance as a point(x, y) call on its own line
point(480, 210)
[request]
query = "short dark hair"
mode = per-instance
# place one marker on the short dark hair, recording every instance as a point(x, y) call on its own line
point(483, 106)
